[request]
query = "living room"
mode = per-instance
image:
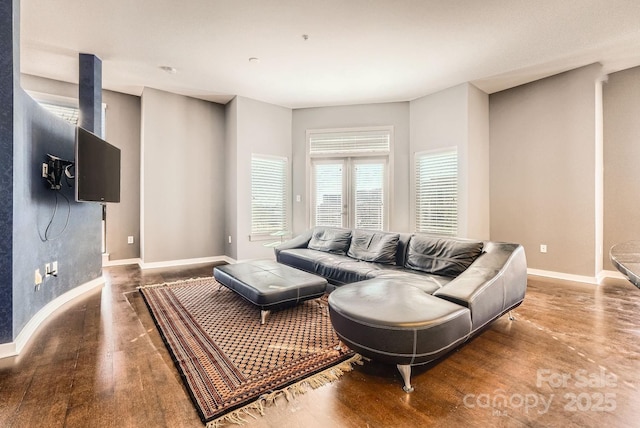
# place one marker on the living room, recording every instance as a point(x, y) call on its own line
point(544, 160)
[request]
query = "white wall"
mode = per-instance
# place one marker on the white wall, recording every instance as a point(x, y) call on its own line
point(543, 170)
point(260, 128)
point(393, 114)
point(182, 178)
point(457, 117)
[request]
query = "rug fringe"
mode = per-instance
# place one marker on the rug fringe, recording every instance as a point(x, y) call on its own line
point(290, 392)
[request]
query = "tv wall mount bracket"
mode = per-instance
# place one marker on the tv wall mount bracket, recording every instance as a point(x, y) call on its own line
point(53, 170)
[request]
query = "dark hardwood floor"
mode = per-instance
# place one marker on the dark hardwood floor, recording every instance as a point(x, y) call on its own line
point(571, 358)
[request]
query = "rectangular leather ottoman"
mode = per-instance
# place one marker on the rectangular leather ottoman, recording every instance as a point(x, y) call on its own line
point(270, 285)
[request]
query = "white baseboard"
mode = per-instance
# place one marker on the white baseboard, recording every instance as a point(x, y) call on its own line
point(14, 348)
point(611, 274)
point(596, 280)
point(184, 262)
point(564, 276)
point(122, 262)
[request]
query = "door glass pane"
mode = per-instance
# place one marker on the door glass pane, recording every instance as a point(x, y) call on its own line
point(368, 182)
point(329, 195)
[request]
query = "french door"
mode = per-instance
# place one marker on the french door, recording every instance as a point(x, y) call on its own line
point(350, 192)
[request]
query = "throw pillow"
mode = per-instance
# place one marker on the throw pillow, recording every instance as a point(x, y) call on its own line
point(441, 256)
point(335, 241)
point(378, 247)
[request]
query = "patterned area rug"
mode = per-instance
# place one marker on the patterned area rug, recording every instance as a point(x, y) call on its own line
point(231, 364)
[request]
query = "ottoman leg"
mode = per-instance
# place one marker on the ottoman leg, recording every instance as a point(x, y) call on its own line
point(263, 316)
point(405, 372)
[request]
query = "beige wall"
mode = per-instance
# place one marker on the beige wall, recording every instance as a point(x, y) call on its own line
point(265, 129)
point(478, 213)
point(621, 159)
point(386, 114)
point(183, 164)
point(231, 179)
point(543, 156)
point(122, 120)
point(457, 117)
point(543, 167)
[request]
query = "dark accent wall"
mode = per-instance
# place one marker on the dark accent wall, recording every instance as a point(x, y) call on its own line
point(27, 133)
point(8, 84)
point(77, 249)
point(90, 93)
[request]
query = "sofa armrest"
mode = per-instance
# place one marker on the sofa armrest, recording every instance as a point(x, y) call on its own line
point(300, 241)
point(494, 283)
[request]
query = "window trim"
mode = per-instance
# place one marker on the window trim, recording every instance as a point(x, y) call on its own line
point(390, 129)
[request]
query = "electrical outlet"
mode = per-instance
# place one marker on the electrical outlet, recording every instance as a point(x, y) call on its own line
point(129, 239)
point(47, 270)
point(543, 248)
point(229, 239)
point(38, 278)
point(298, 198)
point(45, 170)
point(54, 268)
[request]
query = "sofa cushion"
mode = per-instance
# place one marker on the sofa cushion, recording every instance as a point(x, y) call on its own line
point(378, 247)
point(299, 258)
point(441, 256)
point(330, 240)
point(343, 269)
point(426, 282)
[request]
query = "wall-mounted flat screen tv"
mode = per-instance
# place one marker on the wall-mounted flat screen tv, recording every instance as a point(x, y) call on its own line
point(97, 169)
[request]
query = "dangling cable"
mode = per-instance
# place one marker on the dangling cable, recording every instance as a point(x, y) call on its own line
point(55, 210)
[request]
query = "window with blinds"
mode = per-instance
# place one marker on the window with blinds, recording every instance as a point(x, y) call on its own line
point(269, 194)
point(436, 176)
point(358, 142)
point(70, 114)
point(349, 177)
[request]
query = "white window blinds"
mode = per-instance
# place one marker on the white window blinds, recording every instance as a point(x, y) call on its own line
point(369, 183)
point(70, 114)
point(350, 142)
point(329, 194)
point(269, 194)
point(437, 192)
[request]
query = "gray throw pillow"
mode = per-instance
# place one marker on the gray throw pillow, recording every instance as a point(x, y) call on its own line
point(335, 241)
point(441, 256)
point(378, 247)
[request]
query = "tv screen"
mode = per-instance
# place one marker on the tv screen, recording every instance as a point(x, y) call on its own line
point(97, 169)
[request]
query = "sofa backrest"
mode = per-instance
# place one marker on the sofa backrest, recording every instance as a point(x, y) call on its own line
point(364, 245)
point(441, 256)
point(418, 251)
point(374, 246)
point(403, 244)
point(330, 240)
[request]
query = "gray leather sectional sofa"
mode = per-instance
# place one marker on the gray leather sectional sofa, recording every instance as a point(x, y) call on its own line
point(408, 299)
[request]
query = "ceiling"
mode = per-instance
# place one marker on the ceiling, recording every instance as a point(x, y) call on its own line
point(357, 51)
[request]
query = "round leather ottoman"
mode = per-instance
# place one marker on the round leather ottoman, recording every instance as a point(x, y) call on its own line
point(394, 322)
